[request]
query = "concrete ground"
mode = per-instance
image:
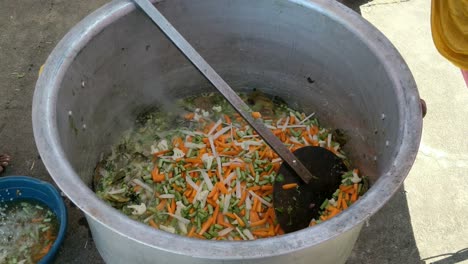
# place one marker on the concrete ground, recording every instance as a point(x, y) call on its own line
point(424, 223)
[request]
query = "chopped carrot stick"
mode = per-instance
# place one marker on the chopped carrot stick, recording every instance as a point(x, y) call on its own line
point(225, 224)
point(271, 155)
point(277, 228)
point(271, 230)
point(276, 132)
point(152, 223)
point(201, 151)
point(228, 119)
point(256, 115)
point(259, 222)
point(159, 153)
point(280, 231)
point(234, 166)
point(239, 220)
point(37, 220)
point(161, 205)
point(262, 154)
point(255, 202)
point(215, 197)
point(206, 225)
point(347, 197)
point(220, 150)
point(252, 171)
point(270, 213)
point(189, 116)
point(230, 152)
point(270, 222)
point(192, 195)
point(173, 206)
point(254, 216)
point(340, 197)
point(283, 136)
point(156, 176)
point(168, 207)
point(344, 205)
point(230, 215)
point(213, 191)
point(46, 249)
point(276, 166)
point(263, 229)
point(223, 145)
point(227, 172)
point(289, 186)
point(191, 232)
point(193, 160)
point(222, 188)
point(177, 188)
point(49, 234)
point(260, 233)
point(292, 119)
point(333, 213)
point(345, 188)
point(210, 201)
point(313, 130)
point(223, 138)
point(354, 197)
point(220, 220)
point(242, 212)
point(242, 199)
point(215, 213)
point(254, 188)
point(259, 207)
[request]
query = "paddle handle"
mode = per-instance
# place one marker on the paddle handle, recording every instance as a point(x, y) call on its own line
point(236, 102)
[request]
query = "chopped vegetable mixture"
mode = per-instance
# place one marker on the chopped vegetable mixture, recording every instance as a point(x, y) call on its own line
point(206, 174)
point(27, 231)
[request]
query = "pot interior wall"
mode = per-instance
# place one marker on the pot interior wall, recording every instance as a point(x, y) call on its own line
point(313, 62)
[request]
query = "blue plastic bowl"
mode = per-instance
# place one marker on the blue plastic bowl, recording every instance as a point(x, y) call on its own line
point(41, 191)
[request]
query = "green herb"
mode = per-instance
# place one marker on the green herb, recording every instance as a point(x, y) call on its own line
point(280, 178)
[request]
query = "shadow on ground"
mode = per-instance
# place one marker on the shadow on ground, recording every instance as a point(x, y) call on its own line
point(449, 258)
point(388, 236)
point(354, 4)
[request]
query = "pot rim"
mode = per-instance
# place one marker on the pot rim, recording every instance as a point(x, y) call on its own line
point(48, 143)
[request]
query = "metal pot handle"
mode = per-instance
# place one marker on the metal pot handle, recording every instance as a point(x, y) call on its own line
point(423, 108)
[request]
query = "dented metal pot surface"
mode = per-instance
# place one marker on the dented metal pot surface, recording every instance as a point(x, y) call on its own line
point(317, 55)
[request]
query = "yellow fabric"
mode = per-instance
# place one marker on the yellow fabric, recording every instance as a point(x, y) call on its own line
point(449, 23)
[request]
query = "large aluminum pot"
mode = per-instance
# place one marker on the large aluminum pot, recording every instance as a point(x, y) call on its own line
point(318, 55)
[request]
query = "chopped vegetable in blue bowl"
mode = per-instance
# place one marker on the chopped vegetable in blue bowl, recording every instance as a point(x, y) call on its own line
point(33, 220)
